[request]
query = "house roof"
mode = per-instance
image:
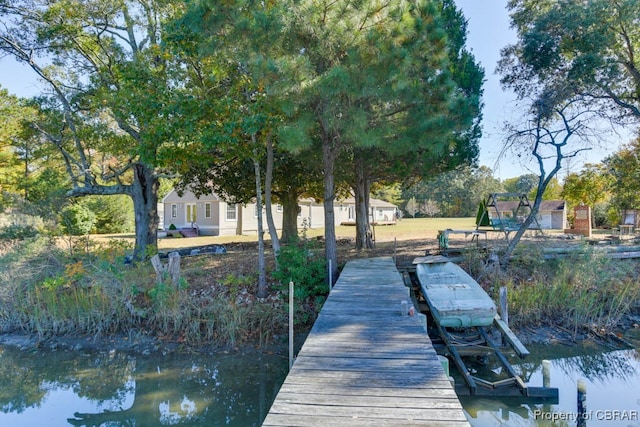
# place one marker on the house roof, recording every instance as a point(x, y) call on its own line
point(188, 196)
point(545, 206)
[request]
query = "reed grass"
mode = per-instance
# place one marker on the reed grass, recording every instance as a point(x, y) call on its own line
point(47, 291)
point(44, 291)
point(585, 290)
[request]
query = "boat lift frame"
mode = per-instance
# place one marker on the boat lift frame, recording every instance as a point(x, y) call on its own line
point(482, 344)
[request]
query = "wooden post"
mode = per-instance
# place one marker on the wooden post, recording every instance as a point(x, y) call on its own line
point(158, 267)
point(290, 324)
point(330, 277)
point(582, 403)
point(504, 311)
point(395, 249)
point(546, 373)
point(174, 268)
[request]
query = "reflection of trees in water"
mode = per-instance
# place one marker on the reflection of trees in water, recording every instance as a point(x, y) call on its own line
point(594, 366)
point(21, 383)
point(509, 411)
point(172, 390)
point(28, 377)
point(601, 367)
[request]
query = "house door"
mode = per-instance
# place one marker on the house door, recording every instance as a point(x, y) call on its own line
point(191, 213)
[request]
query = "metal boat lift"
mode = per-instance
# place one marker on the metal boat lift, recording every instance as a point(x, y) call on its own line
point(475, 340)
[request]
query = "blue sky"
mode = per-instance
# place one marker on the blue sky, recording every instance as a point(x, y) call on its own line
point(488, 32)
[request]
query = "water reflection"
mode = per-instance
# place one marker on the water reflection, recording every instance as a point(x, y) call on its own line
point(613, 396)
point(115, 389)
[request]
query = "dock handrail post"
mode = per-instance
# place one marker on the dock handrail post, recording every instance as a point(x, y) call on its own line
point(504, 310)
point(290, 324)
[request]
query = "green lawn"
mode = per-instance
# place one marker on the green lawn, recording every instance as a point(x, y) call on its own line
point(410, 228)
point(405, 229)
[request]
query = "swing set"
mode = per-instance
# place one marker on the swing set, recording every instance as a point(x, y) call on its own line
point(504, 212)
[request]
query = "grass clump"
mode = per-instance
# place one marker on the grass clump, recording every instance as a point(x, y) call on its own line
point(50, 292)
point(45, 292)
point(577, 291)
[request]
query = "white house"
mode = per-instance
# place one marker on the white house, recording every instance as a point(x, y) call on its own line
point(213, 216)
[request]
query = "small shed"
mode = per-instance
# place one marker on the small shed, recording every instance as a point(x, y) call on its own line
point(380, 212)
point(552, 214)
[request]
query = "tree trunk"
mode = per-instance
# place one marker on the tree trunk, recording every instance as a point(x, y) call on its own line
point(329, 154)
point(144, 192)
point(262, 273)
point(289, 217)
point(275, 243)
point(239, 222)
point(361, 190)
point(524, 227)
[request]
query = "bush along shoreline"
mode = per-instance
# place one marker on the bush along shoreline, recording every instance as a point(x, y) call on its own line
point(91, 296)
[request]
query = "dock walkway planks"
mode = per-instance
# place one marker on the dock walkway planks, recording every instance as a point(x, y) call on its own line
point(364, 364)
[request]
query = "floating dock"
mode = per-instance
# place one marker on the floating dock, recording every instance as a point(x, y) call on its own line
point(365, 362)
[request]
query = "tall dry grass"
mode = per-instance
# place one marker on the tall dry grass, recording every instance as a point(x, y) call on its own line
point(582, 290)
point(47, 292)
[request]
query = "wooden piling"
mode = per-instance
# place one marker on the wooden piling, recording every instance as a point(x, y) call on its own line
point(582, 403)
point(174, 268)
point(546, 373)
point(504, 311)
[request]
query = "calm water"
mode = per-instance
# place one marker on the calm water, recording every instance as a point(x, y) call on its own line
point(613, 390)
point(101, 389)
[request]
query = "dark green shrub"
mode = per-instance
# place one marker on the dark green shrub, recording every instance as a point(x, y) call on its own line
point(114, 214)
point(77, 220)
point(303, 264)
point(17, 232)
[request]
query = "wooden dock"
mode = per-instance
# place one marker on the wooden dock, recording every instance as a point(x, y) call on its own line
point(364, 363)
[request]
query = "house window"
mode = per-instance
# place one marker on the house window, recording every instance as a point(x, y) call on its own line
point(207, 210)
point(174, 211)
point(278, 208)
point(299, 211)
point(255, 211)
point(232, 212)
point(351, 213)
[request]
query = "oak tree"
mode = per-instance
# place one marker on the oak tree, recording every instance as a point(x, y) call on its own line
point(108, 101)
